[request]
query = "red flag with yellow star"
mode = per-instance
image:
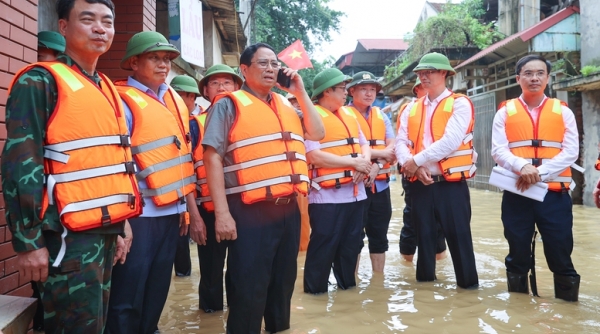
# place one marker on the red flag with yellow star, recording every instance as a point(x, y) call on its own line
point(295, 56)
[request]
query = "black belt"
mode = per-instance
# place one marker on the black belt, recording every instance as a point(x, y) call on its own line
point(282, 200)
point(438, 178)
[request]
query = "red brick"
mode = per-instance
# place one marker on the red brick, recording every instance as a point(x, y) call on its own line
point(14, 65)
point(9, 14)
point(26, 8)
point(8, 283)
point(5, 79)
point(3, 62)
point(2, 119)
point(11, 48)
point(1, 268)
point(29, 55)
point(35, 2)
point(23, 291)
point(10, 265)
point(6, 251)
point(3, 96)
point(2, 218)
point(134, 9)
point(23, 37)
point(30, 25)
point(2, 234)
point(4, 28)
point(8, 233)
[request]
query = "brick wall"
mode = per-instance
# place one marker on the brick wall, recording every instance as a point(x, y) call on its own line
point(18, 41)
point(132, 16)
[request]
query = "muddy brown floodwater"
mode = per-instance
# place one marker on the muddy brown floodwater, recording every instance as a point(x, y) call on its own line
point(395, 303)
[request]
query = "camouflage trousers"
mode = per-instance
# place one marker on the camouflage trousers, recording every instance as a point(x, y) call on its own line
point(75, 295)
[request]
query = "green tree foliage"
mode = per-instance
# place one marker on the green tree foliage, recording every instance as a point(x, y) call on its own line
point(309, 74)
point(279, 23)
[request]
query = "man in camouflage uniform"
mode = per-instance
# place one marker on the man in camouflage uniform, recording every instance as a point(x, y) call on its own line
point(75, 294)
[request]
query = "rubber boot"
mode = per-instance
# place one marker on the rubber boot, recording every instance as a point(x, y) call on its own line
point(517, 282)
point(566, 287)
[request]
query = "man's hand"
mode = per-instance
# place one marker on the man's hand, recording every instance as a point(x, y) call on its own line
point(424, 176)
point(529, 175)
point(359, 177)
point(596, 194)
point(197, 228)
point(372, 175)
point(389, 154)
point(183, 225)
point(225, 227)
point(120, 251)
point(128, 236)
point(362, 165)
point(296, 84)
point(33, 265)
point(409, 168)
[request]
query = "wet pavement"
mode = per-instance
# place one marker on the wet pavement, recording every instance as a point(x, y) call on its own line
point(393, 302)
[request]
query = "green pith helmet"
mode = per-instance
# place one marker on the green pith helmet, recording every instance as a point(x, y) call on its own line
point(185, 83)
point(362, 78)
point(328, 78)
point(219, 69)
point(417, 84)
point(51, 40)
point(435, 61)
point(147, 41)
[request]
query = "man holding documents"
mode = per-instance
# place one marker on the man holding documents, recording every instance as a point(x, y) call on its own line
point(536, 137)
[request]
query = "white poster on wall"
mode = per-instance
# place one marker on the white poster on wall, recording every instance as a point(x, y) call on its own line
point(192, 35)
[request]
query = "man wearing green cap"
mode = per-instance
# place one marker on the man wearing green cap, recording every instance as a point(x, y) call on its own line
point(408, 234)
point(378, 131)
point(158, 122)
point(255, 166)
point(340, 163)
point(72, 267)
point(435, 148)
point(219, 79)
point(50, 44)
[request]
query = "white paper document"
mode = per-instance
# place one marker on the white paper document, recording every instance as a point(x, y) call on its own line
point(507, 180)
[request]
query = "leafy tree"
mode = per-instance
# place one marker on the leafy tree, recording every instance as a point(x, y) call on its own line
point(308, 74)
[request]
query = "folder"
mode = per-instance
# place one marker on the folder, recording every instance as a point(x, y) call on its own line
point(507, 180)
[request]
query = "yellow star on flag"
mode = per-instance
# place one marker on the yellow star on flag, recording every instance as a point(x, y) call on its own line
point(296, 54)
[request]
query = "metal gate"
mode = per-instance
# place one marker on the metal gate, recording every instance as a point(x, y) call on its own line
point(485, 109)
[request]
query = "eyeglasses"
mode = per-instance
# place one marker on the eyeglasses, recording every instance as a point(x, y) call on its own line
point(342, 87)
point(529, 75)
point(263, 64)
point(216, 84)
point(427, 73)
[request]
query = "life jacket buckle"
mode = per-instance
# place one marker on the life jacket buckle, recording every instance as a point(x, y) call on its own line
point(347, 173)
point(354, 155)
point(177, 143)
point(536, 162)
point(188, 138)
point(535, 143)
point(286, 135)
point(372, 142)
point(125, 140)
point(350, 141)
point(131, 201)
point(291, 156)
point(129, 167)
point(338, 185)
point(295, 179)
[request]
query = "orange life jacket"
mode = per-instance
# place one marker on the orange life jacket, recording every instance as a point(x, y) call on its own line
point(400, 111)
point(374, 130)
point(459, 164)
point(87, 159)
point(160, 144)
point(537, 142)
point(202, 193)
point(341, 138)
point(267, 148)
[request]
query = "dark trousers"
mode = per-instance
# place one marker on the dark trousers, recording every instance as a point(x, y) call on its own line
point(212, 261)
point(183, 262)
point(408, 233)
point(141, 285)
point(449, 205)
point(334, 242)
point(554, 220)
point(261, 265)
point(376, 220)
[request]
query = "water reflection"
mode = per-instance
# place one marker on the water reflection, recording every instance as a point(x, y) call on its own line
point(393, 302)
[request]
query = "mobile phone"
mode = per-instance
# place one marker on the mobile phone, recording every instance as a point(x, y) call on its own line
point(283, 79)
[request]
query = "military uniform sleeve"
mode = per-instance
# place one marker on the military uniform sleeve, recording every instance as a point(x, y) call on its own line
point(32, 99)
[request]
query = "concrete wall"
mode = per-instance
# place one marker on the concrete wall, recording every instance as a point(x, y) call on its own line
point(517, 15)
point(212, 41)
point(590, 53)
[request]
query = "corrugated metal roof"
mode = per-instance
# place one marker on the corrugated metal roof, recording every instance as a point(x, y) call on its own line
point(383, 44)
point(524, 35)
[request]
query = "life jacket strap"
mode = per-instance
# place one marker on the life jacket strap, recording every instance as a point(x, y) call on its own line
point(293, 179)
point(535, 143)
point(175, 186)
point(154, 144)
point(286, 136)
point(341, 142)
point(163, 165)
point(288, 156)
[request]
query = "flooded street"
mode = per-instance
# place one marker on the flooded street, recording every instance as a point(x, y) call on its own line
point(395, 303)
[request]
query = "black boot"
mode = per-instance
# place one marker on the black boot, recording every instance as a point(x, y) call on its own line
point(566, 287)
point(517, 282)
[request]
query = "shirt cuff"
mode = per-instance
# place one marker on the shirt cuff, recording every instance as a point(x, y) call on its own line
point(28, 239)
point(519, 164)
point(419, 159)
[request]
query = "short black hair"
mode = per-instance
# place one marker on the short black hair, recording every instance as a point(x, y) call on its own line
point(246, 57)
point(63, 7)
point(529, 58)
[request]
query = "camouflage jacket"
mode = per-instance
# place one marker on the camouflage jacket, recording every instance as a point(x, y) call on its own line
point(32, 100)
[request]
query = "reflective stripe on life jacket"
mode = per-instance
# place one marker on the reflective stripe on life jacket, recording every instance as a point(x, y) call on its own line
point(341, 138)
point(267, 148)
point(202, 193)
point(87, 160)
point(538, 141)
point(457, 166)
point(160, 144)
point(374, 130)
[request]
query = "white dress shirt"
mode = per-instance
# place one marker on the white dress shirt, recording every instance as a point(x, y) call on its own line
point(432, 152)
point(549, 170)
